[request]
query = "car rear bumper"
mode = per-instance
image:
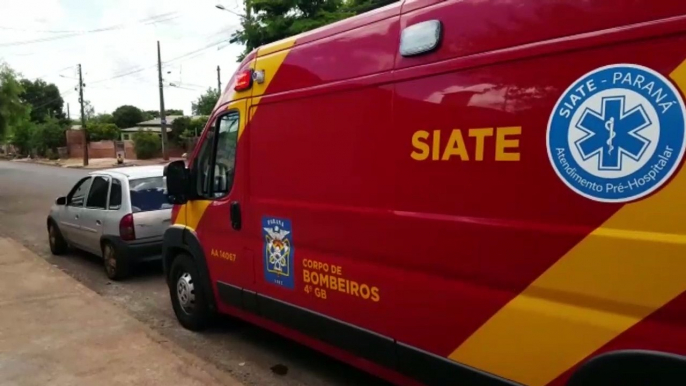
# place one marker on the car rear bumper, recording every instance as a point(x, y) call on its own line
point(140, 250)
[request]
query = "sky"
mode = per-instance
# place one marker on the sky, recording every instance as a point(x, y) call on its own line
point(115, 41)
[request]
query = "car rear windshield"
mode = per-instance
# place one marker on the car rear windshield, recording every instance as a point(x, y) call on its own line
point(148, 194)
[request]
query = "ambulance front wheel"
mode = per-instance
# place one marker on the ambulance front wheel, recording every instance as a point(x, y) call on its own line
point(631, 368)
point(190, 303)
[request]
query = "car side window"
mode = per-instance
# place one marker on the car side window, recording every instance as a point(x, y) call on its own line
point(115, 195)
point(97, 197)
point(77, 196)
point(217, 161)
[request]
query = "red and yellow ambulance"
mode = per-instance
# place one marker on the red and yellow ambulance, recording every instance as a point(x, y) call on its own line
point(452, 193)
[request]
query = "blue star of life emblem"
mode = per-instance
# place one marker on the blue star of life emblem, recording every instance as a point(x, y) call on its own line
point(618, 133)
point(613, 133)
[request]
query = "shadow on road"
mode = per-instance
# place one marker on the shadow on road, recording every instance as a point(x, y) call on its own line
point(230, 334)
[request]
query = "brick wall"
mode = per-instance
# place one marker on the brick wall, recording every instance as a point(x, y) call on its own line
point(102, 149)
point(106, 149)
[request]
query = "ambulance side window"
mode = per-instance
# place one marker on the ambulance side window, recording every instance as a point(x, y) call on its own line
point(202, 168)
point(217, 159)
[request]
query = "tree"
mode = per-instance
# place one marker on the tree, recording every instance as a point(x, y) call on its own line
point(278, 19)
point(146, 144)
point(152, 114)
point(178, 127)
point(206, 102)
point(356, 7)
point(23, 137)
point(13, 112)
point(197, 124)
point(127, 116)
point(103, 118)
point(48, 136)
point(88, 111)
point(102, 132)
point(45, 100)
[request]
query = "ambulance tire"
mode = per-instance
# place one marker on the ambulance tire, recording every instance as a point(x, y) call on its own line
point(631, 368)
point(189, 301)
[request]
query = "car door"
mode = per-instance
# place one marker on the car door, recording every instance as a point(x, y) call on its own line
point(93, 217)
point(219, 229)
point(70, 215)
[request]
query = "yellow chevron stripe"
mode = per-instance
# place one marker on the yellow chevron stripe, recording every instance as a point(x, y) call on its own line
point(270, 58)
point(622, 272)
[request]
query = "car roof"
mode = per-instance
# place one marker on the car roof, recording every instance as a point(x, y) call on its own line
point(133, 172)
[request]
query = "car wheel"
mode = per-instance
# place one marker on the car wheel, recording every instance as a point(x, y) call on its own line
point(58, 246)
point(116, 265)
point(188, 299)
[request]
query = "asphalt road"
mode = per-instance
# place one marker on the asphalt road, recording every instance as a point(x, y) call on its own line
point(249, 353)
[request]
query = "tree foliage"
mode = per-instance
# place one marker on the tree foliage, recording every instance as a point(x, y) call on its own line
point(13, 112)
point(127, 116)
point(147, 144)
point(153, 114)
point(102, 118)
point(48, 136)
point(206, 102)
point(88, 110)
point(198, 124)
point(23, 137)
point(178, 127)
point(45, 100)
point(102, 132)
point(278, 19)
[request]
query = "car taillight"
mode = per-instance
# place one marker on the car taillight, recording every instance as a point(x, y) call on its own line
point(126, 229)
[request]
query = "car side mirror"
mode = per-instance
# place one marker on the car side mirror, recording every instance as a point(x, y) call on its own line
point(177, 176)
point(61, 201)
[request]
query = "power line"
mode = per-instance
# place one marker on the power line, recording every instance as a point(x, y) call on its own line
point(147, 21)
point(137, 69)
point(62, 94)
point(52, 72)
point(38, 31)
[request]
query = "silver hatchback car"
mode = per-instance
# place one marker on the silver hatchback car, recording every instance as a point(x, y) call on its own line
point(118, 214)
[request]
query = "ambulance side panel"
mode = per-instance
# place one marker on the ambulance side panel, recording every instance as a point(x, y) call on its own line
point(419, 205)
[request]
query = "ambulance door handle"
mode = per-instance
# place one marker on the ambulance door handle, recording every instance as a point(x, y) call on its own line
point(235, 215)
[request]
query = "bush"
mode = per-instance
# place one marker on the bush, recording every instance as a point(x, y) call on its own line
point(23, 137)
point(48, 136)
point(147, 144)
point(52, 154)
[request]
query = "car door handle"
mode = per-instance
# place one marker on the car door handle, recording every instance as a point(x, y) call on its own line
point(76, 217)
point(235, 213)
point(97, 222)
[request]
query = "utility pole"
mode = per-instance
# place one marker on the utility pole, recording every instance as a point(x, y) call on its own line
point(68, 114)
point(219, 80)
point(163, 118)
point(83, 120)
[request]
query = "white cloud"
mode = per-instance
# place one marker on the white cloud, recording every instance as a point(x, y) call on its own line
point(191, 26)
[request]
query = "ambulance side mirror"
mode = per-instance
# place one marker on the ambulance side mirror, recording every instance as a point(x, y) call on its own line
point(177, 182)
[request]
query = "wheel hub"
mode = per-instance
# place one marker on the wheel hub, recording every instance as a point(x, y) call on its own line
point(185, 291)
